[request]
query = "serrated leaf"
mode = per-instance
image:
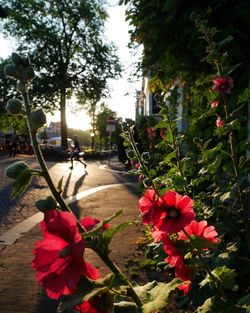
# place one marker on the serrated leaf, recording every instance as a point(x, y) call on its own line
point(227, 277)
point(21, 183)
point(155, 295)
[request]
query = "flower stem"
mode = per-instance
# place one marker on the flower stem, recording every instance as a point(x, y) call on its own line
point(205, 265)
point(177, 151)
point(122, 277)
point(40, 159)
point(144, 168)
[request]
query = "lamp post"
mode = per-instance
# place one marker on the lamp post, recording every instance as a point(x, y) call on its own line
point(110, 127)
point(92, 135)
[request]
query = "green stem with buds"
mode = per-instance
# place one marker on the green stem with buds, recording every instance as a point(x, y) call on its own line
point(138, 156)
point(62, 203)
point(118, 273)
point(176, 148)
point(40, 159)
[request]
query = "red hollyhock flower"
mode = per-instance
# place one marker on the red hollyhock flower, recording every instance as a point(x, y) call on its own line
point(171, 212)
point(89, 223)
point(174, 259)
point(219, 122)
point(91, 306)
point(200, 229)
point(223, 85)
point(214, 104)
point(186, 287)
point(58, 258)
point(146, 204)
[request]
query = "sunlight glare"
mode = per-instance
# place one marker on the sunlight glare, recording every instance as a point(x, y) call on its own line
point(78, 120)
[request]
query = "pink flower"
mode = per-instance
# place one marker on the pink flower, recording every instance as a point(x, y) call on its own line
point(172, 211)
point(89, 223)
point(151, 133)
point(200, 229)
point(169, 213)
point(136, 165)
point(223, 85)
point(214, 104)
point(146, 203)
point(58, 258)
point(219, 122)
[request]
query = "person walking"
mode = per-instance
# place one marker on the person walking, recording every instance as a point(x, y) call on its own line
point(13, 144)
point(75, 153)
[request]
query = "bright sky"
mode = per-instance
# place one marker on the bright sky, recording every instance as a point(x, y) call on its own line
point(122, 98)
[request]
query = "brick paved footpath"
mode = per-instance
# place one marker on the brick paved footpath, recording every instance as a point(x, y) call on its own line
point(19, 290)
point(13, 211)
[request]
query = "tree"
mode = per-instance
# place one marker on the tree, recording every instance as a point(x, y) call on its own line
point(101, 122)
point(64, 41)
point(169, 36)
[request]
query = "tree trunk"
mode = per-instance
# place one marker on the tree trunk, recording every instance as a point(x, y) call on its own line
point(64, 130)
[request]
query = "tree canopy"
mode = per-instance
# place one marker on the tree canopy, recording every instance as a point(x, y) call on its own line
point(65, 41)
point(169, 36)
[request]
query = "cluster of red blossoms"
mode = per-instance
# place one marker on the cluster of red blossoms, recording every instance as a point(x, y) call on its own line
point(171, 214)
point(59, 257)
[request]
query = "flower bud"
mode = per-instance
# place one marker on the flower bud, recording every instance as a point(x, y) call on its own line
point(157, 182)
point(130, 154)
point(46, 204)
point(16, 59)
point(26, 61)
point(125, 127)
point(28, 73)
point(37, 119)
point(147, 182)
point(145, 156)
point(14, 106)
point(13, 170)
point(10, 70)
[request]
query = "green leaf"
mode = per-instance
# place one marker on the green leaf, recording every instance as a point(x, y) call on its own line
point(21, 183)
point(233, 68)
point(217, 305)
point(68, 303)
point(126, 307)
point(225, 41)
point(227, 277)
point(225, 196)
point(110, 232)
point(245, 96)
point(100, 225)
point(155, 295)
point(59, 185)
point(168, 157)
point(245, 300)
